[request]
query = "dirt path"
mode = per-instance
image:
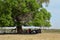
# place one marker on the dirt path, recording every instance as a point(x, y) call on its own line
point(43, 36)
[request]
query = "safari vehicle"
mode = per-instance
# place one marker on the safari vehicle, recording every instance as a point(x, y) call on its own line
point(25, 29)
point(4, 30)
point(31, 29)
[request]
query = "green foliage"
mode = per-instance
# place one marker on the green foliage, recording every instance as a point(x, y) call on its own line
point(23, 12)
point(41, 18)
point(44, 1)
point(5, 14)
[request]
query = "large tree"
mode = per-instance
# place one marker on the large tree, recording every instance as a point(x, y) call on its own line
point(23, 12)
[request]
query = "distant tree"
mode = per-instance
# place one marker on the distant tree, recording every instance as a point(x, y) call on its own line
point(23, 12)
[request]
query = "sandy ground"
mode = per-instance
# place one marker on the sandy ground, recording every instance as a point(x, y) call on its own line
point(42, 36)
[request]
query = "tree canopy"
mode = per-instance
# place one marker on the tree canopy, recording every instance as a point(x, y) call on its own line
point(24, 12)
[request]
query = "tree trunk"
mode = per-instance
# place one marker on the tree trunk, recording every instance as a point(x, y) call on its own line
point(39, 30)
point(19, 29)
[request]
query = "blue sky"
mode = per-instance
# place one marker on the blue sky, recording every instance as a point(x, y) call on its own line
point(54, 8)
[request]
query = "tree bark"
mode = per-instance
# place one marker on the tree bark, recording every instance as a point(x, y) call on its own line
point(19, 29)
point(39, 31)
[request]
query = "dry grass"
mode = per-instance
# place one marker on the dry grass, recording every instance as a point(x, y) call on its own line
point(42, 36)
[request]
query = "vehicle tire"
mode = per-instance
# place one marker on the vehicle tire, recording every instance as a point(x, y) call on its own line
point(34, 32)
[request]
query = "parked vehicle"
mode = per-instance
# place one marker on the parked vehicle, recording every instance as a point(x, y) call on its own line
point(25, 29)
point(31, 29)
